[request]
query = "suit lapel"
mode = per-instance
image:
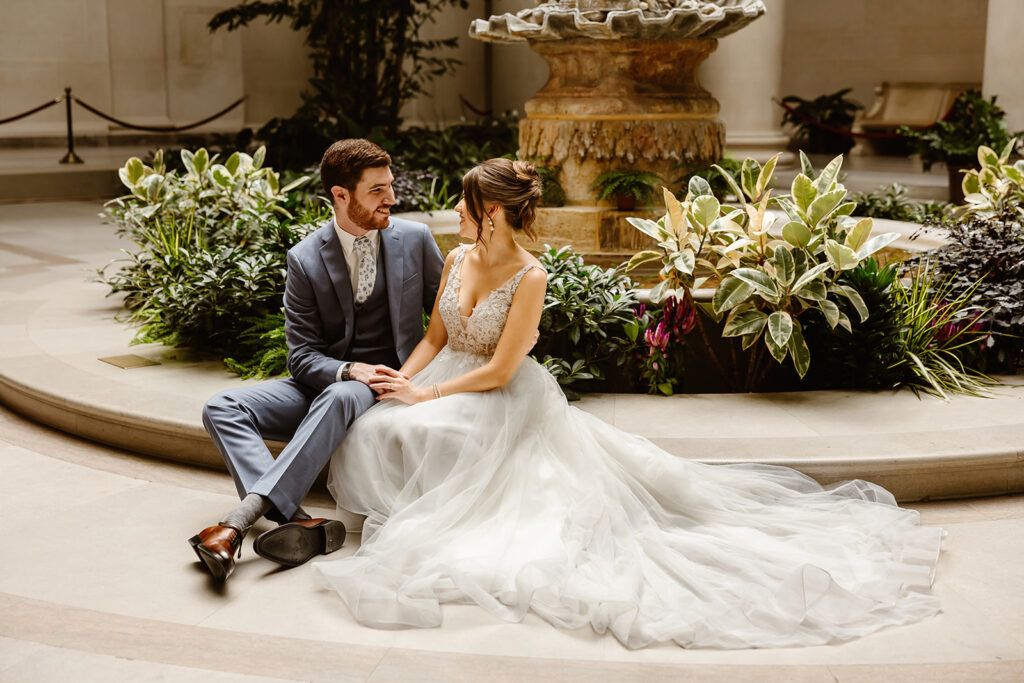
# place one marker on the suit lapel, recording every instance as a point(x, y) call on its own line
point(337, 268)
point(394, 271)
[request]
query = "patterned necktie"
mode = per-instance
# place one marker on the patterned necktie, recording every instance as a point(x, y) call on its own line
point(367, 269)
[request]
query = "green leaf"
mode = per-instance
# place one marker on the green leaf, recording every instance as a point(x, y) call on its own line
point(806, 167)
point(730, 294)
point(699, 187)
point(186, 161)
point(632, 330)
point(643, 257)
point(705, 210)
point(780, 327)
point(798, 350)
point(859, 234)
point(803, 191)
point(831, 312)
point(232, 163)
point(797, 234)
point(828, 177)
point(684, 262)
point(876, 243)
point(660, 291)
point(259, 157)
point(841, 258)
point(730, 181)
point(765, 176)
point(810, 276)
point(749, 340)
point(748, 177)
point(823, 206)
point(665, 388)
point(744, 323)
point(785, 267)
point(987, 157)
point(221, 176)
point(648, 227)
point(132, 172)
point(846, 209)
point(778, 352)
point(854, 297)
point(815, 291)
point(757, 279)
point(201, 159)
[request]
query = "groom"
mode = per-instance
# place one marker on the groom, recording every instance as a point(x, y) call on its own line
point(354, 298)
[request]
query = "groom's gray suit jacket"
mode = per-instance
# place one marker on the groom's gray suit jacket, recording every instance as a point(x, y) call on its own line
point(310, 409)
point(319, 301)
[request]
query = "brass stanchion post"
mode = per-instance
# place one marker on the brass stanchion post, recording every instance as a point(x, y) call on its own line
point(70, 157)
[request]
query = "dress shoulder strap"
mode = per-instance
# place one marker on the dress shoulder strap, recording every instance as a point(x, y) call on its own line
point(514, 282)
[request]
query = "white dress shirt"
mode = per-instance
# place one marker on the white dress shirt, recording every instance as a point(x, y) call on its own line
point(348, 247)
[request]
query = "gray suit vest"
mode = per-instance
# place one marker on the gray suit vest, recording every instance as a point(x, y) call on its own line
point(373, 340)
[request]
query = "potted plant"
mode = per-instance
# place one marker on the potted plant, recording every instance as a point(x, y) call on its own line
point(973, 121)
point(628, 187)
point(835, 110)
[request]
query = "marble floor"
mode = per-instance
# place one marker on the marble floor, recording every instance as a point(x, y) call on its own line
point(98, 584)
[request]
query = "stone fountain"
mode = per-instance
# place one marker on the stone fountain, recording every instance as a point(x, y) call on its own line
point(622, 93)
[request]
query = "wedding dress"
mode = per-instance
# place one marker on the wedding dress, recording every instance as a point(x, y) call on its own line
point(516, 501)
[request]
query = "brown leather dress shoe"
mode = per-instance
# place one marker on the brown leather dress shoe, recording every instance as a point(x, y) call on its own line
point(216, 547)
point(296, 542)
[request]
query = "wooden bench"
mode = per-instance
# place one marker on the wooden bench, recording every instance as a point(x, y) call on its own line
point(917, 105)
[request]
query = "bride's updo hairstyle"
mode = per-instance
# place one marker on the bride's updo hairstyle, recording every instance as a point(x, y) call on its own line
point(515, 185)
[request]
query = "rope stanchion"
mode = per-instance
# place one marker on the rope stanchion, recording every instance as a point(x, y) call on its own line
point(832, 129)
point(157, 129)
point(70, 157)
point(45, 105)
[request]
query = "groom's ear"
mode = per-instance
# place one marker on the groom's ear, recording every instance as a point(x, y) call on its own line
point(339, 195)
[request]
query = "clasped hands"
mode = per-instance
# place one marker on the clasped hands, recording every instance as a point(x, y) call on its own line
point(388, 383)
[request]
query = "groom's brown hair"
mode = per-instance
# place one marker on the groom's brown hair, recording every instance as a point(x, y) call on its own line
point(344, 162)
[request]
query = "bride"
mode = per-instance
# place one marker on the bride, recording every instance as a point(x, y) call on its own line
point(480, 484)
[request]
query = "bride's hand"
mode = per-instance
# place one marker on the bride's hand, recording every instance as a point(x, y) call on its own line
point(379, 374)
point(398, 388)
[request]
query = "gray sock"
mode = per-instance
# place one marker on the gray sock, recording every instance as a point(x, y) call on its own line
point(252, 507)
point(300, 514)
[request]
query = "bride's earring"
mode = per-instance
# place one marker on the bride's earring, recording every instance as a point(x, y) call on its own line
point(491, 220)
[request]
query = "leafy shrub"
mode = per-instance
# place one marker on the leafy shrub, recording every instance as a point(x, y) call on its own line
point(211, 245)
point(972, 121)
point(986, 259)
point(626, 183)
point(891, 202)
point(262, 349)
point(448, 153)
point(835, 110)
point(590, 325)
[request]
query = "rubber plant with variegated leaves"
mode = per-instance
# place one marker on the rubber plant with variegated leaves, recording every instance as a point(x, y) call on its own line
point(767, 267)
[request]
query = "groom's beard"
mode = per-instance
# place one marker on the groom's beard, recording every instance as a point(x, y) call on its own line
point(365, 218)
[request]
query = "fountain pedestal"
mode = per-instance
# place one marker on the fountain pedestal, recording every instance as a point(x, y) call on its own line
point(622, 93)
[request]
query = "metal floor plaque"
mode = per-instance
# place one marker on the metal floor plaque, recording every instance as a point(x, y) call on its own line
point(129, 361)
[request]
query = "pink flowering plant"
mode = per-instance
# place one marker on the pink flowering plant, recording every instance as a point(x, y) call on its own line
point(662, 357)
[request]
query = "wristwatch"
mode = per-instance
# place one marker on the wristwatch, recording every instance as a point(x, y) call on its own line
point(345, 369)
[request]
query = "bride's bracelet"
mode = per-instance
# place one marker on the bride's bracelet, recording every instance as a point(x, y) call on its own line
point(437, 392)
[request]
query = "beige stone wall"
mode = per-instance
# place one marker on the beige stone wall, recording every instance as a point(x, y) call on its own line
point(834, 44)
point(1004, 56)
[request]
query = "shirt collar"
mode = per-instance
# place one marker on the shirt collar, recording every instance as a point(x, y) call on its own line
point(348, 240)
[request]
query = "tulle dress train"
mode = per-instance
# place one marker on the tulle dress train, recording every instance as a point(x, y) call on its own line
point(516, 501)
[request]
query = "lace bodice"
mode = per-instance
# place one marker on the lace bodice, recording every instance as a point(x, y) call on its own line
point(480, 332)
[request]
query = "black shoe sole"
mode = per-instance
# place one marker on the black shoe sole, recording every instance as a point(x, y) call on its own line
point(293, 544)
point(213, 562)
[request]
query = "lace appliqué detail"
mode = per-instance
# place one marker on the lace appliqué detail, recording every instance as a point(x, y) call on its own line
point(479, 333)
